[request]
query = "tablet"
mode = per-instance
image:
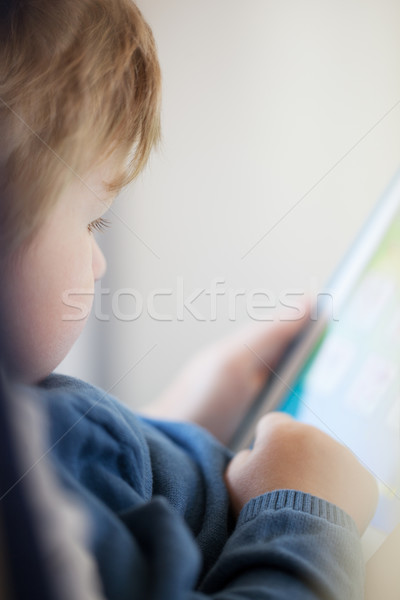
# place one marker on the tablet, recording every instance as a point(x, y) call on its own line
point(342, 374)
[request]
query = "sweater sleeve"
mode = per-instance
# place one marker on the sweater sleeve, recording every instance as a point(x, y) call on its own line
point(286, 544)
point(159, 513)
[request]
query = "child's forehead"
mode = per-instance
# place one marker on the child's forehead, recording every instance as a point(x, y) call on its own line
point(92, 187)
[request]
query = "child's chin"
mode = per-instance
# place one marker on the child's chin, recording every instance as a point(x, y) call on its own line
point(33, 367)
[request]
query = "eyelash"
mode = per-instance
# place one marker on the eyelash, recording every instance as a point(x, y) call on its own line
point(98, 225)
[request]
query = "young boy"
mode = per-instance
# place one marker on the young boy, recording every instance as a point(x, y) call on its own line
point(173, 513)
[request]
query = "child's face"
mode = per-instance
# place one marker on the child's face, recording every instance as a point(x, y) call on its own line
point(36, 323)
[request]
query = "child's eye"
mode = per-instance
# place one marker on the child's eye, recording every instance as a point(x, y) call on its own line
point(98, 225)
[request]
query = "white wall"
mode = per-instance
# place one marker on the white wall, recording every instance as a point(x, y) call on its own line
point(280, 123)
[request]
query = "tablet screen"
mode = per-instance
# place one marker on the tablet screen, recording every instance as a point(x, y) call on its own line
point(350, 385)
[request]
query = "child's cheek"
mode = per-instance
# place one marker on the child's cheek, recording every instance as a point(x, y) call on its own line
point(40, 327)
point(44, 309)
point(99, 264)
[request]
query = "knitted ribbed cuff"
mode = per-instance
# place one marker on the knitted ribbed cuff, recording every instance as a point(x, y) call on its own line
point(298, 501)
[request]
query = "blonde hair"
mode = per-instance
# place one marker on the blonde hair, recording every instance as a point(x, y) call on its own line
point(79, 82)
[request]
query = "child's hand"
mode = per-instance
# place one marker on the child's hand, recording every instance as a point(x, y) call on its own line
point(217, 387)
point(290, 455)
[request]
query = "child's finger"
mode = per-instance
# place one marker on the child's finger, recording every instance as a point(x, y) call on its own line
point(267, 341)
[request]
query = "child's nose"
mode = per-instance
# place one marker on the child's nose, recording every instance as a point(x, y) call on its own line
point(99, 264)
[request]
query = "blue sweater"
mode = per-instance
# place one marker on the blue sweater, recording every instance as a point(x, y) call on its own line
point(160, 520)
